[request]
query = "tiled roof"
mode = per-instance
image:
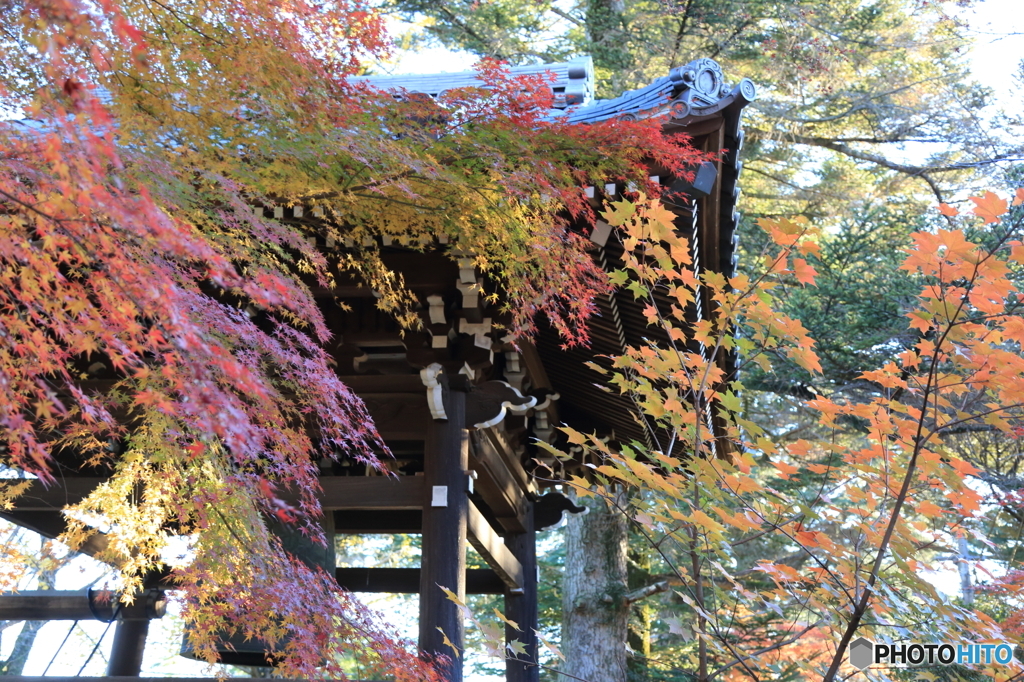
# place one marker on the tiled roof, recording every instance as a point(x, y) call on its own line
point(573, 81)
point(689, 92)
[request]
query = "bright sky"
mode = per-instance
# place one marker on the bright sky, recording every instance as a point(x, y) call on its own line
point(998, 26)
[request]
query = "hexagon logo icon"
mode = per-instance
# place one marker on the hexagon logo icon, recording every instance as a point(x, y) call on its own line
point(862, 653)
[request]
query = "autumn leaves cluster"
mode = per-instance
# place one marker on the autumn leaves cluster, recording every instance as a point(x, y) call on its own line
point(850, 518)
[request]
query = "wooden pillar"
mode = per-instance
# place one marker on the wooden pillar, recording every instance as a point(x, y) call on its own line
point(445, 509)
point(129, 646)
point(133, 626)
point(521, 605)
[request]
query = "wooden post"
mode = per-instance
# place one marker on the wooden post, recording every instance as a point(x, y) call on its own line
point(130, 636)
point(128, 649)
point(521, 605)
point(445, 510)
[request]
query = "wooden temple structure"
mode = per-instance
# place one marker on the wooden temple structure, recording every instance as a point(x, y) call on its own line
point(457, 404)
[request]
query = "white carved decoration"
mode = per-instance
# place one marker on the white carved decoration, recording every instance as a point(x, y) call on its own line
point(436, 309)
point(552, 397)
point(439, 340)
point(478, 330)
point(470, 293)
point(435, 392)
point(507, 407)
point(542, 421)
point(512, 362)
point(599, 235)
point(467, 273)
point(514, 373)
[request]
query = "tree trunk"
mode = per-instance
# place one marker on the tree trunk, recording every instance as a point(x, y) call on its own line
point(594, 609)
point(15, 663)
point(642, 613)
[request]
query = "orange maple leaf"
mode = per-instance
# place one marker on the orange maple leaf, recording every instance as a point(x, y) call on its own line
point(804, 273)
point(989, 207)
point(947, 210)
point(1018, 199)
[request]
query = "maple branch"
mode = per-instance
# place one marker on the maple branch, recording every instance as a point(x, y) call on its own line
point(767, 649)
point(695, 564)
point(771, 527)
point(919, 440)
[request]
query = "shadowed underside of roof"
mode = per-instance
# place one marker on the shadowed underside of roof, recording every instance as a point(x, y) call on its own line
point(692, 99)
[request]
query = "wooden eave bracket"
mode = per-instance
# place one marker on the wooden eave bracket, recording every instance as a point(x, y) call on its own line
point(492, 548)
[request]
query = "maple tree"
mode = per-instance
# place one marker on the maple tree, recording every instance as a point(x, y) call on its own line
point(157, 327)
point(851, 514)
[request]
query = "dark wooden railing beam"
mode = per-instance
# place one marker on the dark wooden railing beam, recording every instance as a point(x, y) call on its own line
point(382, 521)
point(407, 580)
point(100, 605)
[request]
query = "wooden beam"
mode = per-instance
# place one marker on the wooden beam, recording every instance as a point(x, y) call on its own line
point(39, 508)
point(398, 416)
point(67, 490)
point(491, 547)
point(496, 485)
point(385, 383)
point(534, 365)
point(372, 492)
point(497, 440)
point(384, 521)
point(50, 524)
point(407, 580)
point(79, 605)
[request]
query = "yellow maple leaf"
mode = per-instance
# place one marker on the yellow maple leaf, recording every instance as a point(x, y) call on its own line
point(448, 643)
point(505, 620)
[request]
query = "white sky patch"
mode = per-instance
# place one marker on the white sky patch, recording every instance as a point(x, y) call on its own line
point(997, 27)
